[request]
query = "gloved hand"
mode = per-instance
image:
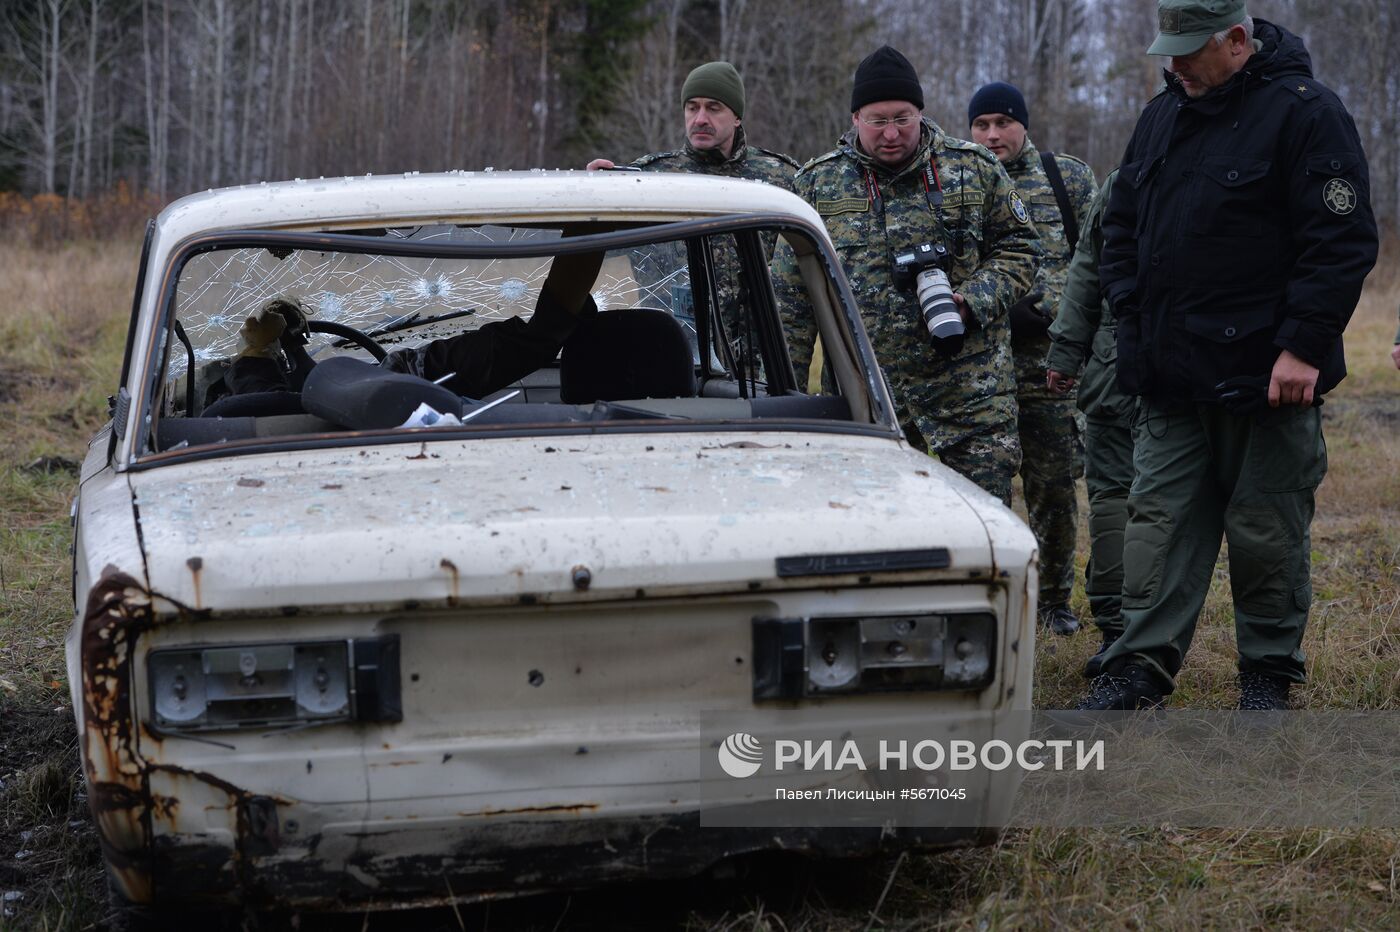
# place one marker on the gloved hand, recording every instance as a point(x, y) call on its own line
point(409, 361)
point(261, 331)
point(1028, 318)
point(1243, 395)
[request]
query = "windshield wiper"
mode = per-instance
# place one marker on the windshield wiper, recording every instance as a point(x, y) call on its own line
point(405, 321)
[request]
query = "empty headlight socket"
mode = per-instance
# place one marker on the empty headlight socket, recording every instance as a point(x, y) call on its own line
point(237, 686)
point(796, 658)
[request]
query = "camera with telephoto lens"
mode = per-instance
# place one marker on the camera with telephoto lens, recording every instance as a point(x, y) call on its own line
point(925, 269)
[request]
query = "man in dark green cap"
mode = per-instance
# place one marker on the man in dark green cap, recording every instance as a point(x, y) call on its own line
point(712, 101)
point(1235, 244)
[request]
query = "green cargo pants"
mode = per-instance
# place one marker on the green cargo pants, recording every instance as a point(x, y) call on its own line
point(1051, 458)
point(1200, 471)
point(1108, 473)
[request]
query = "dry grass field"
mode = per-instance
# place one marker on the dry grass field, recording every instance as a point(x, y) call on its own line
point(63, 318)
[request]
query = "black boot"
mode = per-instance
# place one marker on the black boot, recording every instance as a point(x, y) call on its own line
point(1094, 665)
point(1263, 692)
point(1059, 619)
point(1132, 688)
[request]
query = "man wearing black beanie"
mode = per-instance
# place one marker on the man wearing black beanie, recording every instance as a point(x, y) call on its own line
point(897, 182)
point(1058, 190)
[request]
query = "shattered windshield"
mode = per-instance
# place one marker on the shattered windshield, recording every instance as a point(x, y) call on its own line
point(400, 299)
point(280, 336)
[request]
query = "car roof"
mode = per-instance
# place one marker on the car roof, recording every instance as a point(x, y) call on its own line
point(466, 197)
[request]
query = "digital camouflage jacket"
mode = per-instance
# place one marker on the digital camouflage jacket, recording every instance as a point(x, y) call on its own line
point(873, 214)
point(746, 161)
point(1028, 174)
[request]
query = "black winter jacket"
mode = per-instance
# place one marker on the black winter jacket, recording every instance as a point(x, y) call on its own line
point(1241, 225)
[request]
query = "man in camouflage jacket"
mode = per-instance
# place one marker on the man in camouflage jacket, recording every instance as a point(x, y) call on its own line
point(897, 181)
point(713, 100)
point(1051, 449)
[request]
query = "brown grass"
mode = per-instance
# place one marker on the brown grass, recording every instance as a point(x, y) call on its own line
point(61, 335)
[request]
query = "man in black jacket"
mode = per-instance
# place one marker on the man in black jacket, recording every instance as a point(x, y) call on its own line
point(1236, 242)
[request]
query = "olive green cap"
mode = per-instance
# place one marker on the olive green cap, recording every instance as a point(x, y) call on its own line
point(1183, 26)
point(719, 81)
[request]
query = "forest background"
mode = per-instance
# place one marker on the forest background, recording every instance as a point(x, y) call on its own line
point(159, 98)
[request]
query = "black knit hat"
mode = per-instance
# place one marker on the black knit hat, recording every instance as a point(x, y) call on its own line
point(885, 74)
point(999, 97)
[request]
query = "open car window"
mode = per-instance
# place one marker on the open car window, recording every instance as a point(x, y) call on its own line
point(696, 303)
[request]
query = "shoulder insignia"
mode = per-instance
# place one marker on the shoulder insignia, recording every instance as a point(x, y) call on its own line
point(842, 205)
point(781, 157)
point(1018, 207)
point(1303, 88)
point(817, 160)
point(654, 157)
point(1339, 196)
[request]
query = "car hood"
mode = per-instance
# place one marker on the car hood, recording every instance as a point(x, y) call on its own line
point(547, 519)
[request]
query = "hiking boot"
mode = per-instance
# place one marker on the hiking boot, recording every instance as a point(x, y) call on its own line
point(1263, 692)
point(1135, 687)
point(1059, 619)
point(1094, 665)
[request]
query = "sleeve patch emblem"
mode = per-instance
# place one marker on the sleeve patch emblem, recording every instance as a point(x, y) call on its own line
point(1339, 196)
point(1018, 207)
point(843, 205)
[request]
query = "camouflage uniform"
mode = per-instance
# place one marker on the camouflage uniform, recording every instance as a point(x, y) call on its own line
point(745, 161)
point(1051, 450)
point(1085, 333)
point(963, 409)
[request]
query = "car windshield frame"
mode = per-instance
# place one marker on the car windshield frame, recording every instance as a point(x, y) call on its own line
point(138, 451)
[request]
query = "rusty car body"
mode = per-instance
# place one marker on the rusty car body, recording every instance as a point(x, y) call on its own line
point(319, 665)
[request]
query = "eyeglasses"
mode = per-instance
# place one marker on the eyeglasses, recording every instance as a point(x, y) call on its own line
point(899, 121)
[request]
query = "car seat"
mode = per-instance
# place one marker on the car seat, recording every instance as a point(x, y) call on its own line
point(627, 353)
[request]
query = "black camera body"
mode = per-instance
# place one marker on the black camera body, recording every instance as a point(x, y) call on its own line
point(924, 270)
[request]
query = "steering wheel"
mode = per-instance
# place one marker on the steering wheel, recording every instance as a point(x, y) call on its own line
point(359, 338)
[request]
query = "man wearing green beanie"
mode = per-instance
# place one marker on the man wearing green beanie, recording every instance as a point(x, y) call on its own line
point(712, 102)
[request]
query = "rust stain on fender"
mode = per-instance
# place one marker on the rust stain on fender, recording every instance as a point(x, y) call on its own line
point(529, 810)
point(118, 610)
point(196, 565)
point(456, 580)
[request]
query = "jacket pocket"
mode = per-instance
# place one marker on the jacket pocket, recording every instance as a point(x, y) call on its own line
point(1227, 342)
point(1229, 196)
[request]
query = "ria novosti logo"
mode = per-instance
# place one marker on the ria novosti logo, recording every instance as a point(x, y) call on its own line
point(741, 755)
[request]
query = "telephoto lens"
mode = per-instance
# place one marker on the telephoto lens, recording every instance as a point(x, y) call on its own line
point(945, 324)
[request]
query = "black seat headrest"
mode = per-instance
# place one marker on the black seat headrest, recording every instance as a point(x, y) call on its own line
point(627, 353)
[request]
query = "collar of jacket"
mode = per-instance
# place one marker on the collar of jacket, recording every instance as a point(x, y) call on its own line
point(930, 138)
point(716, 158)
point(1028, 159)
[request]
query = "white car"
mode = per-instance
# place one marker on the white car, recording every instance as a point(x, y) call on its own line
point(349, 639)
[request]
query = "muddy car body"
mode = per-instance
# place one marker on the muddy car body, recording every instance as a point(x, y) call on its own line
point(320, 665)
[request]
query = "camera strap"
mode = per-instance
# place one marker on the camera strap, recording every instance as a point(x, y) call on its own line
point(933, 192)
